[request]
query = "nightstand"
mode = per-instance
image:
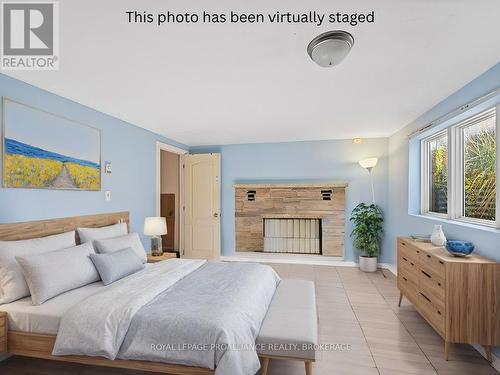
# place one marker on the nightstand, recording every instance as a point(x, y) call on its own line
point(3, 332)
point(159, 258)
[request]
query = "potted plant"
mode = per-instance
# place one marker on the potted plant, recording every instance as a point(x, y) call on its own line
point(367, 234)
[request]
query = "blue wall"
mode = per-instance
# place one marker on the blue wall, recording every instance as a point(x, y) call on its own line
point(131, 150)
point(402, 218)
point(301, 162)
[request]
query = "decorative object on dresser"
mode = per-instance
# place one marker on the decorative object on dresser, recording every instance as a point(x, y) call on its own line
point(155, 227)
point(159, 258)
point(437, 237)
point(367, 233)
point(459, 248)
point(459, 297)
point(301, 210)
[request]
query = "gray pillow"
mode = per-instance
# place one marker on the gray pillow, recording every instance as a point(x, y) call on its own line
point(56, 272)
point(117, 265)
point(92, 234)
point(12, 283)
point(131, 240)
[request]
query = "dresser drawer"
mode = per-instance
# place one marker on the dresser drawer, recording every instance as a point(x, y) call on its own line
point(410, 268)
point(432, 288)
point(408, 285)
point(407, 251)
point(431, 313)
point(432, 265)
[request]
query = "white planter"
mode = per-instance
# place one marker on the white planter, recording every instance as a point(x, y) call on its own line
point(368, 264)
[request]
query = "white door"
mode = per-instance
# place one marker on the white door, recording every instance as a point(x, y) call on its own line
point(202, 206)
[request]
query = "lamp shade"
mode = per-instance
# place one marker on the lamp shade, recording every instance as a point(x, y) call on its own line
point(155, 226)
point(368, 163)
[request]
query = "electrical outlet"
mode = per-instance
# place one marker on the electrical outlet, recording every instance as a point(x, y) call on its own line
point(107, 195)
point(108, 168)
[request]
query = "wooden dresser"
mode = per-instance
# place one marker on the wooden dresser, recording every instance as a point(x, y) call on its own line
point(3, 332)
point(458, 297)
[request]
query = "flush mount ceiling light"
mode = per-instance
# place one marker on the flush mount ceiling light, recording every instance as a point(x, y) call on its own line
point(330, 48)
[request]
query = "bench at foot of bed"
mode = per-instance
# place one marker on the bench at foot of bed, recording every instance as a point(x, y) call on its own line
point(290, 329)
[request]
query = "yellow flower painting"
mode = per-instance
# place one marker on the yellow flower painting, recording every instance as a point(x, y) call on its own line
point(45, 151)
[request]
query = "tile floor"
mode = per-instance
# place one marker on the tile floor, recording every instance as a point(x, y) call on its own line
point(355, 309)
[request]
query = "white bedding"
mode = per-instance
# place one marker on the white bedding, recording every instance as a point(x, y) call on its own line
point(44, 319)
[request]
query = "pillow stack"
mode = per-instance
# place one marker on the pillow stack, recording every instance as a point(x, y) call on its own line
point(12, 283)
point(49, 266)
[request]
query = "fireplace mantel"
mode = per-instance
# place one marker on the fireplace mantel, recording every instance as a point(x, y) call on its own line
point(255, 202)
point(340, 184)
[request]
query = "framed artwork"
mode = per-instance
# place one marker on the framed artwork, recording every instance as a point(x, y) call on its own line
point(42, 150)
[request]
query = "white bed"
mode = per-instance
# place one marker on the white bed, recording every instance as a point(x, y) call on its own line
point(44, 319)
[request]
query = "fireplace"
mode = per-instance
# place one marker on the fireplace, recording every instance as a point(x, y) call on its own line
point(291, 218)
point(299, 236)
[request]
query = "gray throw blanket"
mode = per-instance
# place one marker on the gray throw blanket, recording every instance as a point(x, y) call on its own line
point(210, 317)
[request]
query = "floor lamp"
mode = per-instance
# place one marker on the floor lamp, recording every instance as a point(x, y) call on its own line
point(368, 164)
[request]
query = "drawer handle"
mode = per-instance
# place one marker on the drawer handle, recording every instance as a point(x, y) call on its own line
point(412, 263)
point(405, 279)
point(428, 256)
point(406, 260)
point(427, 298)
point(439, 284)
point(403, 243)
point(439, 312)
point(441, 262)
point(426, 274)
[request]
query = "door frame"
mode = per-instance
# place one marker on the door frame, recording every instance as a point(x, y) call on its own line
point(160, 146)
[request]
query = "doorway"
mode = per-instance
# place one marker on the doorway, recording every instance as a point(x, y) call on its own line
point(169, 195)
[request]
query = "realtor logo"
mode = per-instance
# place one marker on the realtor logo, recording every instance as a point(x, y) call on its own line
point(30, 38)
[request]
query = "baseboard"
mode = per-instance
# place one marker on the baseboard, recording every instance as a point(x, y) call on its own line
point(390, 267)
point(3, 357)
point(290, 259)
point(495, 361)
point(300, 259)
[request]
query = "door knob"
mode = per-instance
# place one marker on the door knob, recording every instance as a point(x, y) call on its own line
point(216, 215)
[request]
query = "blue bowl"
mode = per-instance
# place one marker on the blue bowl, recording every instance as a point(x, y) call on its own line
point(459, 248)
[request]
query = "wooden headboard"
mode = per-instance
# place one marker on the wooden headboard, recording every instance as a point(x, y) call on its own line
point(42, 228)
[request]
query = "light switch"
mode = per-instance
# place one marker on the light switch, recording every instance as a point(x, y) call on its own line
point(107, 195)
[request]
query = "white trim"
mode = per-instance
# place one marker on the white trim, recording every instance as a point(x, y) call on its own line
point(497, 214)
point(456, 112)
point(455, 195)
point(160, 146)
point(317, 260)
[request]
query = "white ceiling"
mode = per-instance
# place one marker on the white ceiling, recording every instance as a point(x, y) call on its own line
point(219, 84)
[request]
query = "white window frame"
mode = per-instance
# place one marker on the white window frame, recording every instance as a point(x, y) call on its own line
point(426, 168)
point(455, 197)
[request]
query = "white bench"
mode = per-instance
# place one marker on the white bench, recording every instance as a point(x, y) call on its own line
point(290, 328)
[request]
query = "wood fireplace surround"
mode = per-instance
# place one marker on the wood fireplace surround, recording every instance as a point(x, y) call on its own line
point(256, 202)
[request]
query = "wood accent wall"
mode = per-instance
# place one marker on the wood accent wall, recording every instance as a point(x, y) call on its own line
point(42, 228)
point(290, 201)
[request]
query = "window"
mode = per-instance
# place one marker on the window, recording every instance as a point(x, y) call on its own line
point(459, 171)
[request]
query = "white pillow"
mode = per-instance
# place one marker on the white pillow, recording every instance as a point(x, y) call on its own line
point(56, 272)
point(119, 243)
point(12, 283)
point(111, 231)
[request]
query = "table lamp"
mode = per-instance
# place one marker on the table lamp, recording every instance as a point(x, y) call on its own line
point(155, 227)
